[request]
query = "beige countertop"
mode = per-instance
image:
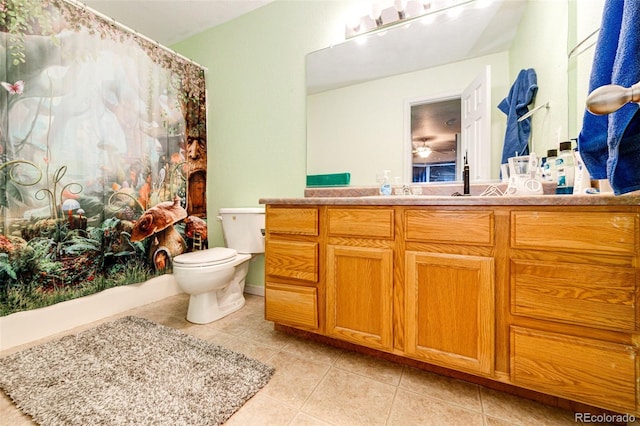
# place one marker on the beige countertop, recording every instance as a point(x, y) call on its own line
point(430, 200)
point(441, 196)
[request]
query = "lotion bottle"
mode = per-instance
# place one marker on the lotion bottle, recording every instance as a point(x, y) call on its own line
point(385, 188)
point(549, 169)
point(565, 169)
point(582, 180)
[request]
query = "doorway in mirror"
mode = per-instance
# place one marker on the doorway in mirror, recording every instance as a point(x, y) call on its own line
point(435, 140)
point(443, 129)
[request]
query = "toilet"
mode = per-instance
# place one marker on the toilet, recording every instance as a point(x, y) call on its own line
point(215, 277)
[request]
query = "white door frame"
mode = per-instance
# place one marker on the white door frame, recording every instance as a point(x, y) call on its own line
point(407, 154)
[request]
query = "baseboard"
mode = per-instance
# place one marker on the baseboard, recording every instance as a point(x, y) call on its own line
point(27, 326)
point(257, 290)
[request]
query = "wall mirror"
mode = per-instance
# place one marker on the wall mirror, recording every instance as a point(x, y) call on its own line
point(358, 91)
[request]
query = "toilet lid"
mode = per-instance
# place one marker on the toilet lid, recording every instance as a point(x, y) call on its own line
point(212, 256)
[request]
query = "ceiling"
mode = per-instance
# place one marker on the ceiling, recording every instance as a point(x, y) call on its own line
point(170, 21)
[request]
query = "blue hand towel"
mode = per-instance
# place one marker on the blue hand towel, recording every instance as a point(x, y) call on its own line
point(515, 105)
point(610, 144)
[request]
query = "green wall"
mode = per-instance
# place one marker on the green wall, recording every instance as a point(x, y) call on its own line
point(541, 43)
point(256, 95)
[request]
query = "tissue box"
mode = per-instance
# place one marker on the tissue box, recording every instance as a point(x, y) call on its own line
point(334, 179)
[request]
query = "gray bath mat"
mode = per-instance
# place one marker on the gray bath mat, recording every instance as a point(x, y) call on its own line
point(131, 371)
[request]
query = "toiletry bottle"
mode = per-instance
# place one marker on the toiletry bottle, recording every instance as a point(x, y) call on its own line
point(565, 169)
point(465, 176)
point(582, 182)
point(540, 170)
point(385, 188)
point(550, 166)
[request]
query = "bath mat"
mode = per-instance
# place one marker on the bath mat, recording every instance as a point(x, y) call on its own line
point(131, 371)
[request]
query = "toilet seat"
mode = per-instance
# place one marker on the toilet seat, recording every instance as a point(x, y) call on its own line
point(209, 257)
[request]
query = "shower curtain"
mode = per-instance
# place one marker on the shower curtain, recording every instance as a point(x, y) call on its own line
point(102, 154)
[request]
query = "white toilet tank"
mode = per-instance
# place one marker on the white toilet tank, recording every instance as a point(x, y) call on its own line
point(243, 228)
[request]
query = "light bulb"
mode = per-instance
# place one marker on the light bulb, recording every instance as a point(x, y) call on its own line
point(353, 23)
point(400, 5)
point(376, 14)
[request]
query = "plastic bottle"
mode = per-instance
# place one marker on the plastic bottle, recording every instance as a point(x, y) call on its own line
point(540, 169)
point(565, 169)
point(385, 188)
point(582, 182)
point(550, 166)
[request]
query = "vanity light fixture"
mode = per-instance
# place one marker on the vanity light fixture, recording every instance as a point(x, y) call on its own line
point(402, 12)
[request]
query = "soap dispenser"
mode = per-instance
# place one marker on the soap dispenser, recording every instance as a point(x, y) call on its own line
point(385, 188)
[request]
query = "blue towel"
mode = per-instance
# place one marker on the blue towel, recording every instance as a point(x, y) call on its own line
point(610, 144)
point(515, 105)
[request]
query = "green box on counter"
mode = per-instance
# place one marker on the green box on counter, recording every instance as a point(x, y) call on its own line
point(334, 179)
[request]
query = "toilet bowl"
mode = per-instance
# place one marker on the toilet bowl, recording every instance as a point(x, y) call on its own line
point(215, 278)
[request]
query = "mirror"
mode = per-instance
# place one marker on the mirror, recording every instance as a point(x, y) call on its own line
point(359, 94)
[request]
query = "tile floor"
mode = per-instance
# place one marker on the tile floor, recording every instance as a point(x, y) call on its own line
point(320, 385)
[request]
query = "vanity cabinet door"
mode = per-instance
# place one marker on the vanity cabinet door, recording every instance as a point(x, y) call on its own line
point(450, 310)
point(359, 295)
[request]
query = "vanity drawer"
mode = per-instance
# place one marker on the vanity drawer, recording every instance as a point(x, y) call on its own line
point(586, 370)
point(296, 221)
point(457, 227)
point(582, 294)
point(589, 232)
point(292, 259)
point(369, 223)
point(291, 305)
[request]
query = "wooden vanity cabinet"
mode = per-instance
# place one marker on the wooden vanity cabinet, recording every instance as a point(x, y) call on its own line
point(359, 278)
point(292, 266)
point(541, 298)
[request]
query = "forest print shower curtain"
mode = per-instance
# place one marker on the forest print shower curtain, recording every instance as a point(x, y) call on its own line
point(102, 155)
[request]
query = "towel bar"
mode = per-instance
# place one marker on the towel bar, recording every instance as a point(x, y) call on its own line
point(584, 41)
point(533, 111)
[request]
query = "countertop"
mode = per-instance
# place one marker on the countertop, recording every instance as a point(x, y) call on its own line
point(363, 196)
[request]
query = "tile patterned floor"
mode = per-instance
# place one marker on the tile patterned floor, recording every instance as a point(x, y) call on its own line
point(320, 385)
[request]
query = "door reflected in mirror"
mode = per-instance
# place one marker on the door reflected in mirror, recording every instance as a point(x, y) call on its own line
point(435, 140)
